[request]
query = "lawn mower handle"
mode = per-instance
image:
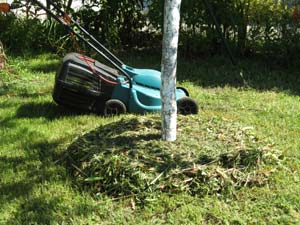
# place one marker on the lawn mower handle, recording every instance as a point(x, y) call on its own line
point(113, 60)
point(87, 33)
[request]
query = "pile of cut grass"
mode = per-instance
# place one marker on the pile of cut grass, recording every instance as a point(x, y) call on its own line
point(128, 158)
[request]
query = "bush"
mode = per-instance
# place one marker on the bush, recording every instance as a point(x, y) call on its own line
point(249, 26)
point(23, 35)
point(115, 23)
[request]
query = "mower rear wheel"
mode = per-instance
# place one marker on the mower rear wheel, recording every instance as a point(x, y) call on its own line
point(186, 106)
point(114, 107)
point(186, 92)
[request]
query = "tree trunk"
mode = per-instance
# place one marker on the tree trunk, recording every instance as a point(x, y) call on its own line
point(2, 57)
point(169, 66)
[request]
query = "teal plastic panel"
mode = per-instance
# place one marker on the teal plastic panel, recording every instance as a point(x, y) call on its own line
point(140, 98)
point(146, 77)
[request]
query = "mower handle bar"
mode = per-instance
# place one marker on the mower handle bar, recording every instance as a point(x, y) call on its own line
point(112, 59)
point(86, 33)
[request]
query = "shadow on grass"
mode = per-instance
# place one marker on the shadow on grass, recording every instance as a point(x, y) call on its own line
point(217, 71)
point(7, 91)
point(29, 174)
point(42, 211)
point(45, 67)
point(38, 200)
point(248, 73)
point(44, 63)
point(16, 189)
point(33, 166)
point(38, 210)
point(48, 110)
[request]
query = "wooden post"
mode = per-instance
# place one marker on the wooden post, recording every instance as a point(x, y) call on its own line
point(169, 67)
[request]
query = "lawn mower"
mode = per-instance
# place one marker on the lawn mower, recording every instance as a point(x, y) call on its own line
point(86, 84)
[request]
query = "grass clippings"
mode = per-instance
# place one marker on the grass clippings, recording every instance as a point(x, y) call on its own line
point(128, 158)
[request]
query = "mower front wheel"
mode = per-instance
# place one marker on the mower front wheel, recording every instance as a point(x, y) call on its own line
point(114, 107)
point(186, 92)
point(186, 106)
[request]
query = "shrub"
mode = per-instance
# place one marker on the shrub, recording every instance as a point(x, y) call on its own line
point(20, 34)
point(250, 26)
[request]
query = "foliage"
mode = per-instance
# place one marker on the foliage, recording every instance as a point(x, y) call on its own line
point(115, 23)
point(250, 27)
point(25, 35)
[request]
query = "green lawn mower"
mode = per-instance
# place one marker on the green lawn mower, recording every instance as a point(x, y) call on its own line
point(86, 84)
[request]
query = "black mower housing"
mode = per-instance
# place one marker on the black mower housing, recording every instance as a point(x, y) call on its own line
point(78, 86)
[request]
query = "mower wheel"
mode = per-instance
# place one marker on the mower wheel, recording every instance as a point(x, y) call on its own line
point(114, 107)
point(184, 90)
point(186, 106)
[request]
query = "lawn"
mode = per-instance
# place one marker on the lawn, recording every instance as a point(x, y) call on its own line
point(37, 187)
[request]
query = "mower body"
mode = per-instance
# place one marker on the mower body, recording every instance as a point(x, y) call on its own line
point(81, 83)
point(88, 85)
point(78, 87)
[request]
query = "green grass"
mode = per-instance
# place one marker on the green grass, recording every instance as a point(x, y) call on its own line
point(37, 187)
